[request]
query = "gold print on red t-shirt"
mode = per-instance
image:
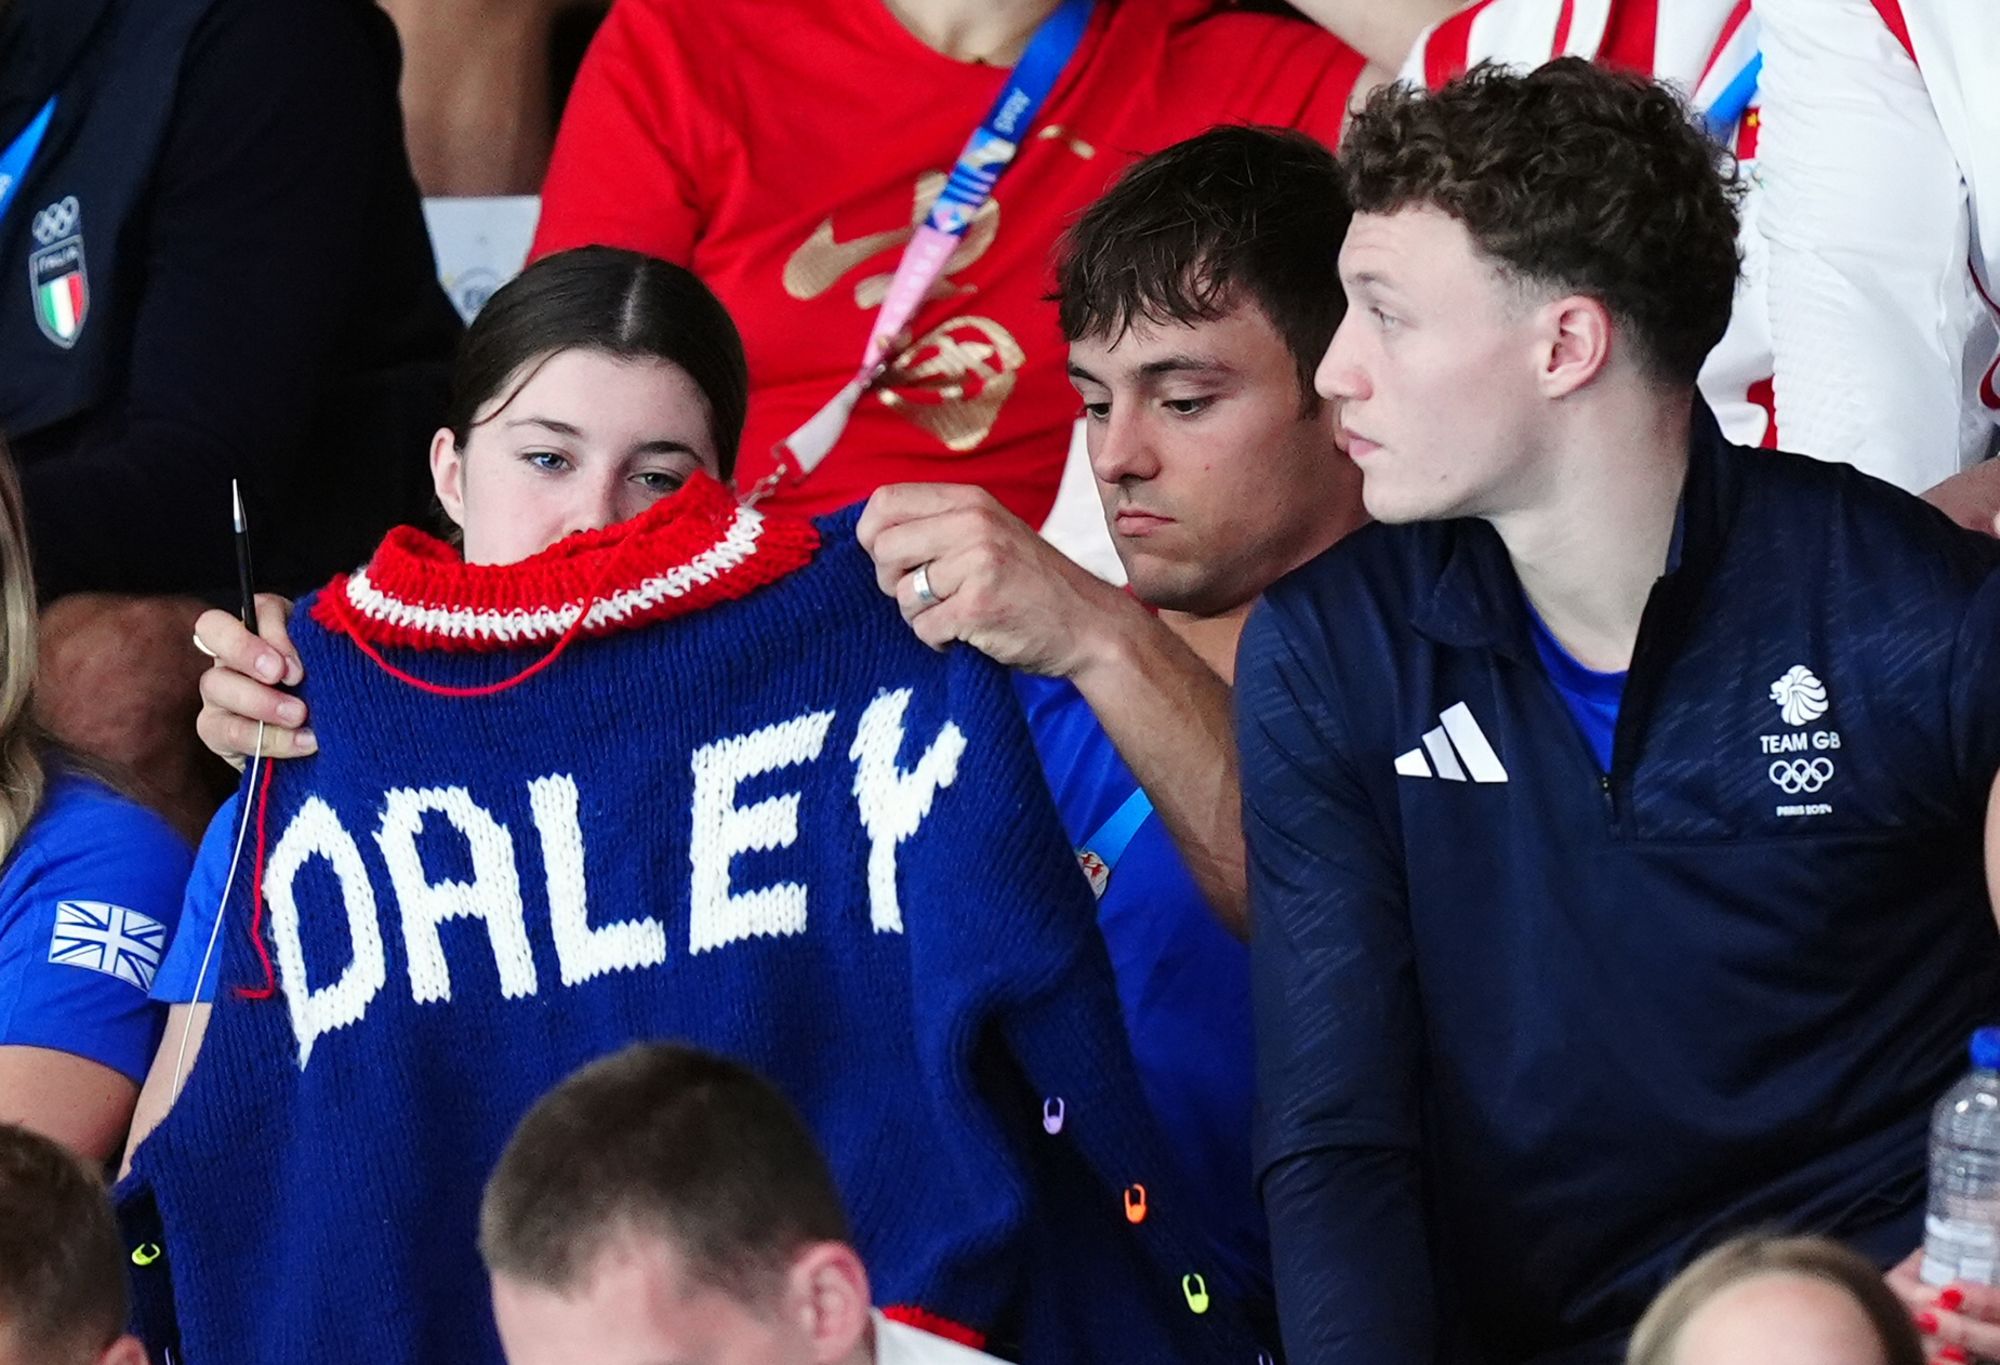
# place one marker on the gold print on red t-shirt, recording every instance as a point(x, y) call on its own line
point(1056, 132)
point(954, 380)
point(821, 260)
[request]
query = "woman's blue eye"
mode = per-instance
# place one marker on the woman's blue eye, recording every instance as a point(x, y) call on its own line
point(545, 459)
point(660, 480)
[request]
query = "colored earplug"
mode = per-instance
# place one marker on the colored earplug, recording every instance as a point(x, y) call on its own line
point(1196, 1290)
point(1135, 1204)
point(1052, 1115)
point(145, 1253)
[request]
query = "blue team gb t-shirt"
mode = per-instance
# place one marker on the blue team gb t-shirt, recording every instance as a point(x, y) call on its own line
point(176, 982)
point(88, 901)
point(1183, 980)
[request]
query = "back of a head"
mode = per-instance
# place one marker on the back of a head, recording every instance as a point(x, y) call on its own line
point(665, 1140)
point(1233, 215)
point(1777, 1301)
point(62, 1274)
point(1574, 178)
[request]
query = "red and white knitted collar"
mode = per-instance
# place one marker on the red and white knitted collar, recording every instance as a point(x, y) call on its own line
point(687, 552)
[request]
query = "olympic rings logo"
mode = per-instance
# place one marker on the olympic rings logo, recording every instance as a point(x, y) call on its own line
point(56, 221)
point(1801, 775)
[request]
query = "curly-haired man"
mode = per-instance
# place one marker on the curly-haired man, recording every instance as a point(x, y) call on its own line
point(1613, 808)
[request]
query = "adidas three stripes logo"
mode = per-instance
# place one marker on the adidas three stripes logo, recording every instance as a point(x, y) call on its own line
point(1458, 748)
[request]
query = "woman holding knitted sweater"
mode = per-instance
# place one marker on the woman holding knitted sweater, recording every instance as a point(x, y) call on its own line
point(725, 818)
point(589, 389)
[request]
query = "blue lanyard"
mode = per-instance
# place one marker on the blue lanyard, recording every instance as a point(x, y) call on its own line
point(988, 152)
point(1728, 106)
point(993, 144)
point(1115, 834)
point(20, 153)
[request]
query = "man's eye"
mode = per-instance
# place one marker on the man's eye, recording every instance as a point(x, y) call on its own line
point(1188, 407)
point(1382, 319)
point(1097, 412)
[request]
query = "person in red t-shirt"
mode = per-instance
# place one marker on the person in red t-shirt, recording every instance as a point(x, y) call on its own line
point(785, 149)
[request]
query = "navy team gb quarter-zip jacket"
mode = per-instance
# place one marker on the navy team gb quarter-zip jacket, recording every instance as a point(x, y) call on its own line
point(1532, 1036)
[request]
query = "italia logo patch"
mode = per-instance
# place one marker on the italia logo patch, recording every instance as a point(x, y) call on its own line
point(56, 276)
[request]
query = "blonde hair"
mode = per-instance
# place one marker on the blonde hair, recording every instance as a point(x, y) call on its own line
point(23, 772)
point(1745, 1258)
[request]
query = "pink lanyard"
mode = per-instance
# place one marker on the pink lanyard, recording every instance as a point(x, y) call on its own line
point(988, 153)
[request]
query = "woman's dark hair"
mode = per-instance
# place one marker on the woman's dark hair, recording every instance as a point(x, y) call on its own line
point(625, 304)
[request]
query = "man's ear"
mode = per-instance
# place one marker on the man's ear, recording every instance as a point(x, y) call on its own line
point(124, 1351)
point(828, 1287)
point(1576, 339)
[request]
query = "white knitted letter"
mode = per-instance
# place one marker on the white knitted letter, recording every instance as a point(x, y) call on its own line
point(893, 802)
point(493, 894)
point(723, 829)
point(583, 952)
point(316, 832)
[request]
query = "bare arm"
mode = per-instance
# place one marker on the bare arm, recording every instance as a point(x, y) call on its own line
point(162, 1087)
point(1383, 31)
point(1168, 715)
point(82, 1104)
point(1003, 590)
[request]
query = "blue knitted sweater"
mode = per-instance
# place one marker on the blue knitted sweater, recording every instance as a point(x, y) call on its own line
point(741, 806)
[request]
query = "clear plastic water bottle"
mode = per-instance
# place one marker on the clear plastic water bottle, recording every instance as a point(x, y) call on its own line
point(1962, 1228)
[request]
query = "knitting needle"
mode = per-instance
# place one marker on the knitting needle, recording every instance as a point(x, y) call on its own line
point(243, 579)
point(246, 585)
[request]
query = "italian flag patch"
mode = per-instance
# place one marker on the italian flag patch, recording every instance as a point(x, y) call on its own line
point(62, 290)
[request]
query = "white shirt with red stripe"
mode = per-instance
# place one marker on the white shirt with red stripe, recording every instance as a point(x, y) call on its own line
point(1882, 151)
point(1701, 46)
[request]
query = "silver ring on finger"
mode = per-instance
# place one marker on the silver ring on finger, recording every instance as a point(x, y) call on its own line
point(920, 584)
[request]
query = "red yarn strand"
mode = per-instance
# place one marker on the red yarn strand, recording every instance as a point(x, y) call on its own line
point(356, 632)
point(270, 986)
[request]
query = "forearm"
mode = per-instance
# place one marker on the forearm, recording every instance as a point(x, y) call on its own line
point(1168, 715)
point(1383, 31)
point(180, 1044)
point(1350, 1259)
point(82, 1104)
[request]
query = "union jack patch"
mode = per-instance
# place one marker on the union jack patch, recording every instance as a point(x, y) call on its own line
point(110, 939)
point(1094, 870)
